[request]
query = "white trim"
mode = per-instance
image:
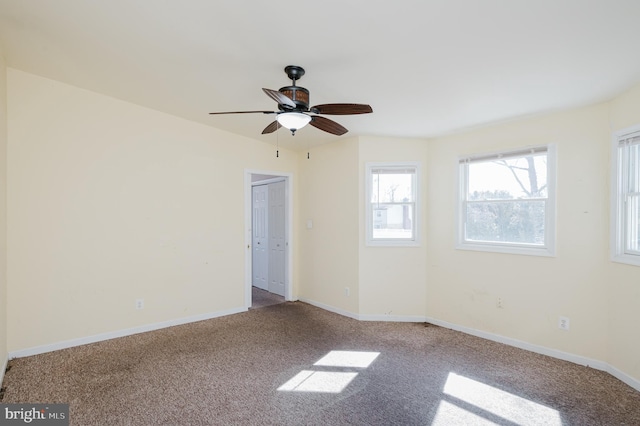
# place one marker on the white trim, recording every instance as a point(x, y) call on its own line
point(393, 318)
point(376, 317)
point(576, 359)
point(268, 181)
point(330, 308)
point(506, 248)
point(395, 242)
point(623, 377)
point(288, 178)
point(554, 353)
point(120, 333)
point(617, 225)
point(503, 155)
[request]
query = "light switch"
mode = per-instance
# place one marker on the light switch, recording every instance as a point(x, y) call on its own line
point(309, 224)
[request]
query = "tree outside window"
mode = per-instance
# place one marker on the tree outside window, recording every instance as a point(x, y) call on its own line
point(505, 201)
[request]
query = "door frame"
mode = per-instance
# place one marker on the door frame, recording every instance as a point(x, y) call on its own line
point(260, 269)
point(288, 178)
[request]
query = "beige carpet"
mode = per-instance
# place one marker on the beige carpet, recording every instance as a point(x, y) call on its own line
point(261, 298)
point(294, 364)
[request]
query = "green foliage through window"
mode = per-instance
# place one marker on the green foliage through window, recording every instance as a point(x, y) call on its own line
point(505, 199)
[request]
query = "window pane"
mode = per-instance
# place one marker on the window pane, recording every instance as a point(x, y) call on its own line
point(634, 168)
point(392, 187)
point(511, 178)
point(633, 219)
point(509, 222)
point(392, 221)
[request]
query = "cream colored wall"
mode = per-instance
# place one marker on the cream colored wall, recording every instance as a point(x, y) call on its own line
point(109, 202)
point(464, 286)
point(393, 279)
point(329, 251)
point(3, 214)
point(623, 281)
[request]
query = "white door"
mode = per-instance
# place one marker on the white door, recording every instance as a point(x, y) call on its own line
point(260, 265)
point(277, 238)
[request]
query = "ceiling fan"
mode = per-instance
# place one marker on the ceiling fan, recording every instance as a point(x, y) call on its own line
point(294, 112)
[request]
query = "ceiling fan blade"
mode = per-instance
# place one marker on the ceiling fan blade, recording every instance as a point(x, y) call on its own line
point(280, 98)
point(242, 112)
point(327, 125)
point(342, 109)
point(271, 127)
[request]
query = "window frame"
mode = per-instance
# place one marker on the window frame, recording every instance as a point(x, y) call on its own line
point(392, 242)
point(548, 249)
point(619, 192)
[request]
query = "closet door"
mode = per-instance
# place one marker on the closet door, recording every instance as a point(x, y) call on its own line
point(260, 229)
point(277, 237)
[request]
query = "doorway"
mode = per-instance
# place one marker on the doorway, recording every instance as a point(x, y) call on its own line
point(268, 212)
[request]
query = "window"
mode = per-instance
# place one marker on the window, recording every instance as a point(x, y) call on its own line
point(392, 208)
point(626, 197)
point(507, 202)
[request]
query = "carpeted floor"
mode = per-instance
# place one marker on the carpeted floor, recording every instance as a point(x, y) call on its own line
point(261, 298)
point(294, 364)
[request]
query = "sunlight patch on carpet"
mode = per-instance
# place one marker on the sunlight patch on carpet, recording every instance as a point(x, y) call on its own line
point(318, 381)
point(348, 359)
point(492, 402)
point(330, 381)
point(449, 414)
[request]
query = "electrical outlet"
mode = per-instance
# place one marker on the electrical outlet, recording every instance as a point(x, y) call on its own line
point(499, 303)
point(139, 303)
point(347, 291)
point(563, 323)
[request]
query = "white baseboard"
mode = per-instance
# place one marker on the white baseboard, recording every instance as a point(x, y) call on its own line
point(554, 353)
point(120, 333)
point(623, 377)
point(565, 356)
point(392, 318)
point(330, 308)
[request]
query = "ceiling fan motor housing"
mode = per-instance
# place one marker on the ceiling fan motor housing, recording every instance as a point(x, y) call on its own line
point(297, 94)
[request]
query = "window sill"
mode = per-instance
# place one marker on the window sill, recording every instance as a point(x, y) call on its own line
point(508, 249)
point(627, 259)
point(391, 243)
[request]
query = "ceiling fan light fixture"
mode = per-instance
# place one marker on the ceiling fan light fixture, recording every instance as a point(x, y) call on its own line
point(293, 120)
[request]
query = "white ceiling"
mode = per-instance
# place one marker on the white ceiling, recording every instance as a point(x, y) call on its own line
point(427, 67)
